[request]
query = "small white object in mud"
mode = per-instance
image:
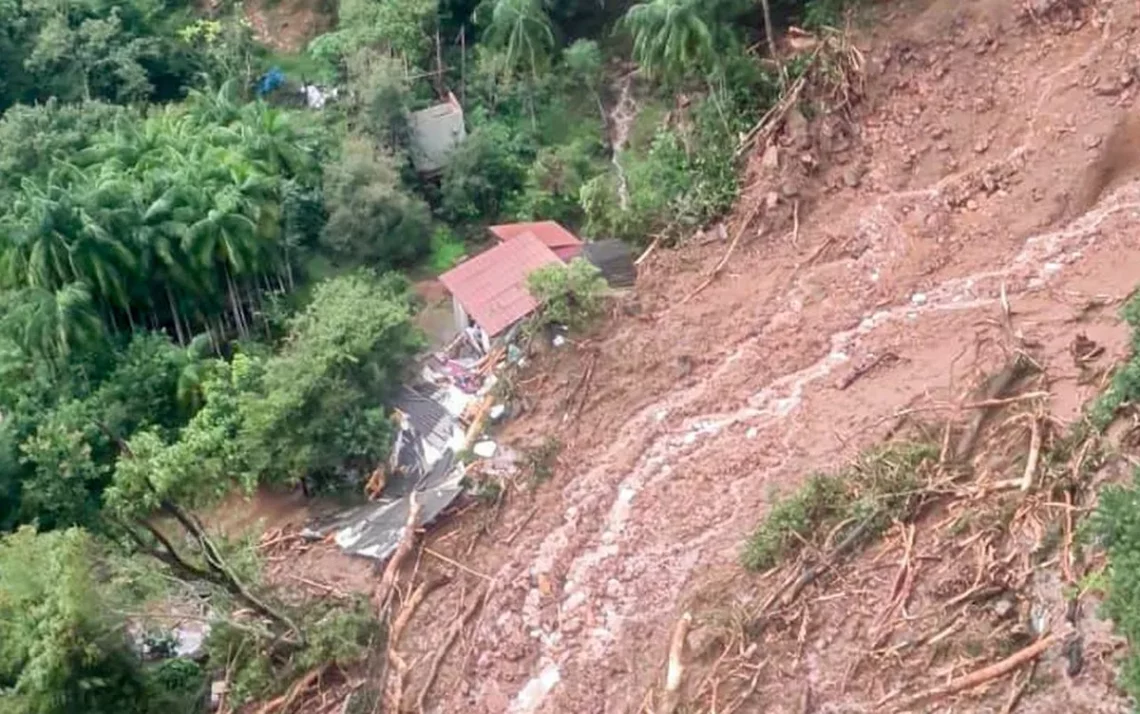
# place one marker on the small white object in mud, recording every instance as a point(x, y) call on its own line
point(875, 277)
point(537, 689)
point(485, 449)
point(660, 414)
point(751, 433)
point(497, 411)
point(918, 298)
point(558, 341)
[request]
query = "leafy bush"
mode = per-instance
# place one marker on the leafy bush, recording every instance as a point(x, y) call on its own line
point(554, 182)
point(1116, 522)
point(484, 175)
point(335, 633)
point(175, 686)
point(570, 295)
point(372, 220)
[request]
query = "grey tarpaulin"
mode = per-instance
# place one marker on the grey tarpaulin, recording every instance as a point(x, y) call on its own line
point(613, 258)
point(425, 463)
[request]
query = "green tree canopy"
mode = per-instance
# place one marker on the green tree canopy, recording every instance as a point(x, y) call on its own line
point(62, 651)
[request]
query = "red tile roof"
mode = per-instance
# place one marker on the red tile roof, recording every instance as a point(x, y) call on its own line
point(491, 287)
point(551, 234)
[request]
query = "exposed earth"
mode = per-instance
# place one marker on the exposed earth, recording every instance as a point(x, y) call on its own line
point(979, 177)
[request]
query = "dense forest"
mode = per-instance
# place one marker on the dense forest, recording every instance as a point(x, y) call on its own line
point(205, 282)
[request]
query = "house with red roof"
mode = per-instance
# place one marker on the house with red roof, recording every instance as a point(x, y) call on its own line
point(565, 244)
point(490, 289)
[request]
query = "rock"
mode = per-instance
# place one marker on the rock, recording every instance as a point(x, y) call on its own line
point(796, 127)
point(1003, 608)
point(972, 204)
point(918, 299)
point(944, 146)
point(853, 175)
point(701, 641)
point(1091, 141)
point(771, 200)
point(982, 145)
point(770, 161)
point(789, 189)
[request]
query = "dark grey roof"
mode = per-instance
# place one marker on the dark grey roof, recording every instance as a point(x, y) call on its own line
point(614, 259)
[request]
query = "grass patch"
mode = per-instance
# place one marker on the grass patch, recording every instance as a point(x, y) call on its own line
point(446, 250)
point(885, 484)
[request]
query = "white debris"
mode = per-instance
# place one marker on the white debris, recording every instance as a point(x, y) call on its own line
point(485, 449)
point(918, 298)
point(497, 411)
point(536, 689)
point(558, 341)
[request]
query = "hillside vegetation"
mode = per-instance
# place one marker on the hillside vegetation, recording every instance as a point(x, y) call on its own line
point(204, 282)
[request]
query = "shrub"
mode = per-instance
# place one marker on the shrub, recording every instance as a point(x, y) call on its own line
point(570, 295)
point(861, 501)
point(446, 249)
point(372, 219)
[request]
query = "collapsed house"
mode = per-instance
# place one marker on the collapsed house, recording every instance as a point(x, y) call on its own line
point(490, 296)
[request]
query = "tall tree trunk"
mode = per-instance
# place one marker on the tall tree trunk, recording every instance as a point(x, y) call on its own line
point(764, 4)
point(239, 321)
point(174, 316)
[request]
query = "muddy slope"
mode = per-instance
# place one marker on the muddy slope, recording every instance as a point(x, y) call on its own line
point(966, 175)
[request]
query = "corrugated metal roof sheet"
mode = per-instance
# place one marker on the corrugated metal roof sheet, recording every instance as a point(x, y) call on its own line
point(553, 236)
point(436, 132)
point(614, 259)
point(492, 288)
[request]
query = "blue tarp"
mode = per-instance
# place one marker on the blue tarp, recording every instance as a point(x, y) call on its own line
point(270, 81)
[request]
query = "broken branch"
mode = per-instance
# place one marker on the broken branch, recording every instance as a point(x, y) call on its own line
point(727, 254)
point(448, 642)
point(1034, 455)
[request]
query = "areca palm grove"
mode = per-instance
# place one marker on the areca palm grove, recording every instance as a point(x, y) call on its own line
point(174, 222)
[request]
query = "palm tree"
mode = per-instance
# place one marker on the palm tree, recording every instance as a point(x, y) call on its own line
point(524, 28)
point(671, 38)
point(53, 323)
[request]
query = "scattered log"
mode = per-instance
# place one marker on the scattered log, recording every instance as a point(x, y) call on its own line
point(980, 676)
point(676, 668)
point(382, 596)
